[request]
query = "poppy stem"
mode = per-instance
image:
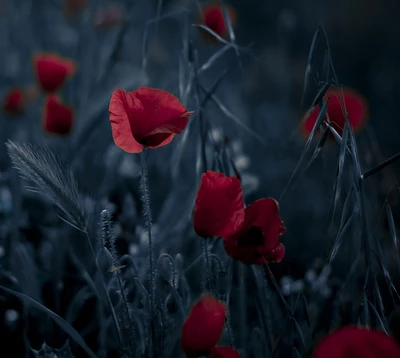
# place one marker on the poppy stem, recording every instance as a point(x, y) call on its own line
point(207, 266)
point(145, 196)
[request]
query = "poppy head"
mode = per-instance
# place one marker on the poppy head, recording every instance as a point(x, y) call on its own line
point(57, 117)
point(354, 103)
point(14, 101)
point(212, 16)
point(224, 352)
point(353, 342)
point(203, 327)
point(219, 206)
point(145, 117)
point(52, 71)
point(257, 242)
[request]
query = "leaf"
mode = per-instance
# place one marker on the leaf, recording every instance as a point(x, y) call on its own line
point(64, 325)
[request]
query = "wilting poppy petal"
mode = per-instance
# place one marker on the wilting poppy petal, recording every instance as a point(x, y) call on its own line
point(57, 118)
point(219, 207)
point(203, 327)
point(258, 240)
point(14, 101)
point(73, 7)
point(353, 342)
point(212, 16)
point(224, 352)
point(52, 71)
point(355, 105)
point(145, 117)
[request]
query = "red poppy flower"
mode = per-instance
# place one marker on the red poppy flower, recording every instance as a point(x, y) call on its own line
point(355, 105)
point(224, 352)
point(57, 118)
point(203, 327)
point(219, 208)
point(251, 235)
point(212, 16)
point(145, 117)
point(258, 239)
point(353, 342)
point(14, 101)
point(52, 71)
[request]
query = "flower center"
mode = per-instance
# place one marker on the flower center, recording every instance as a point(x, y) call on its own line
point(253, 237)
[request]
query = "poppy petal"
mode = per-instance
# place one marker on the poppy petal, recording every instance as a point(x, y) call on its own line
point(276, 255)
point(145, 117)
point(120, 124)
point(14, 101)
point(353, 342)
point(224, 352)
point(58, 118)
point(203, 327)
point(157, 112)
point(264, 213)
point(212, 17)
point(52, 70)
point(340, 100)
point(219, 206)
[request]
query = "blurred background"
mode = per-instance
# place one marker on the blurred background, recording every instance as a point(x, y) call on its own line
point(127, 44)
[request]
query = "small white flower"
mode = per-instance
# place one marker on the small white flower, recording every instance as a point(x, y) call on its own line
point(133, 249)
point(242, 162)
point(310, 275)
point(217, 134)
point(237, 146)
point(11, 316)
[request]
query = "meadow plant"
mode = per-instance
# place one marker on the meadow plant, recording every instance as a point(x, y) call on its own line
point(196, 248)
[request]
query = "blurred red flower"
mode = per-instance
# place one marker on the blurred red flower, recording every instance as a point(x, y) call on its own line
point(108, 17)
point(73, 7)
point(212, 16)
point(224, 352)
point(14, 101)
point(353, 342)
point(203, 327)
point(354, 103)
point(251, 235)
point(145, 117)
point(58, 118)
point(219, 208)
point(52, 70)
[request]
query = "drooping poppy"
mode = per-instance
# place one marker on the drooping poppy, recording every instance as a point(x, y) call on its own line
point(219, 208)
point(58, 118)
point(339, 101)
point(52, 71)
point(145, 117)
point(224, 352)
point(203, 327)
point(212, 16)
point(14, 101)
point(251, 235)
point(353, 342)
